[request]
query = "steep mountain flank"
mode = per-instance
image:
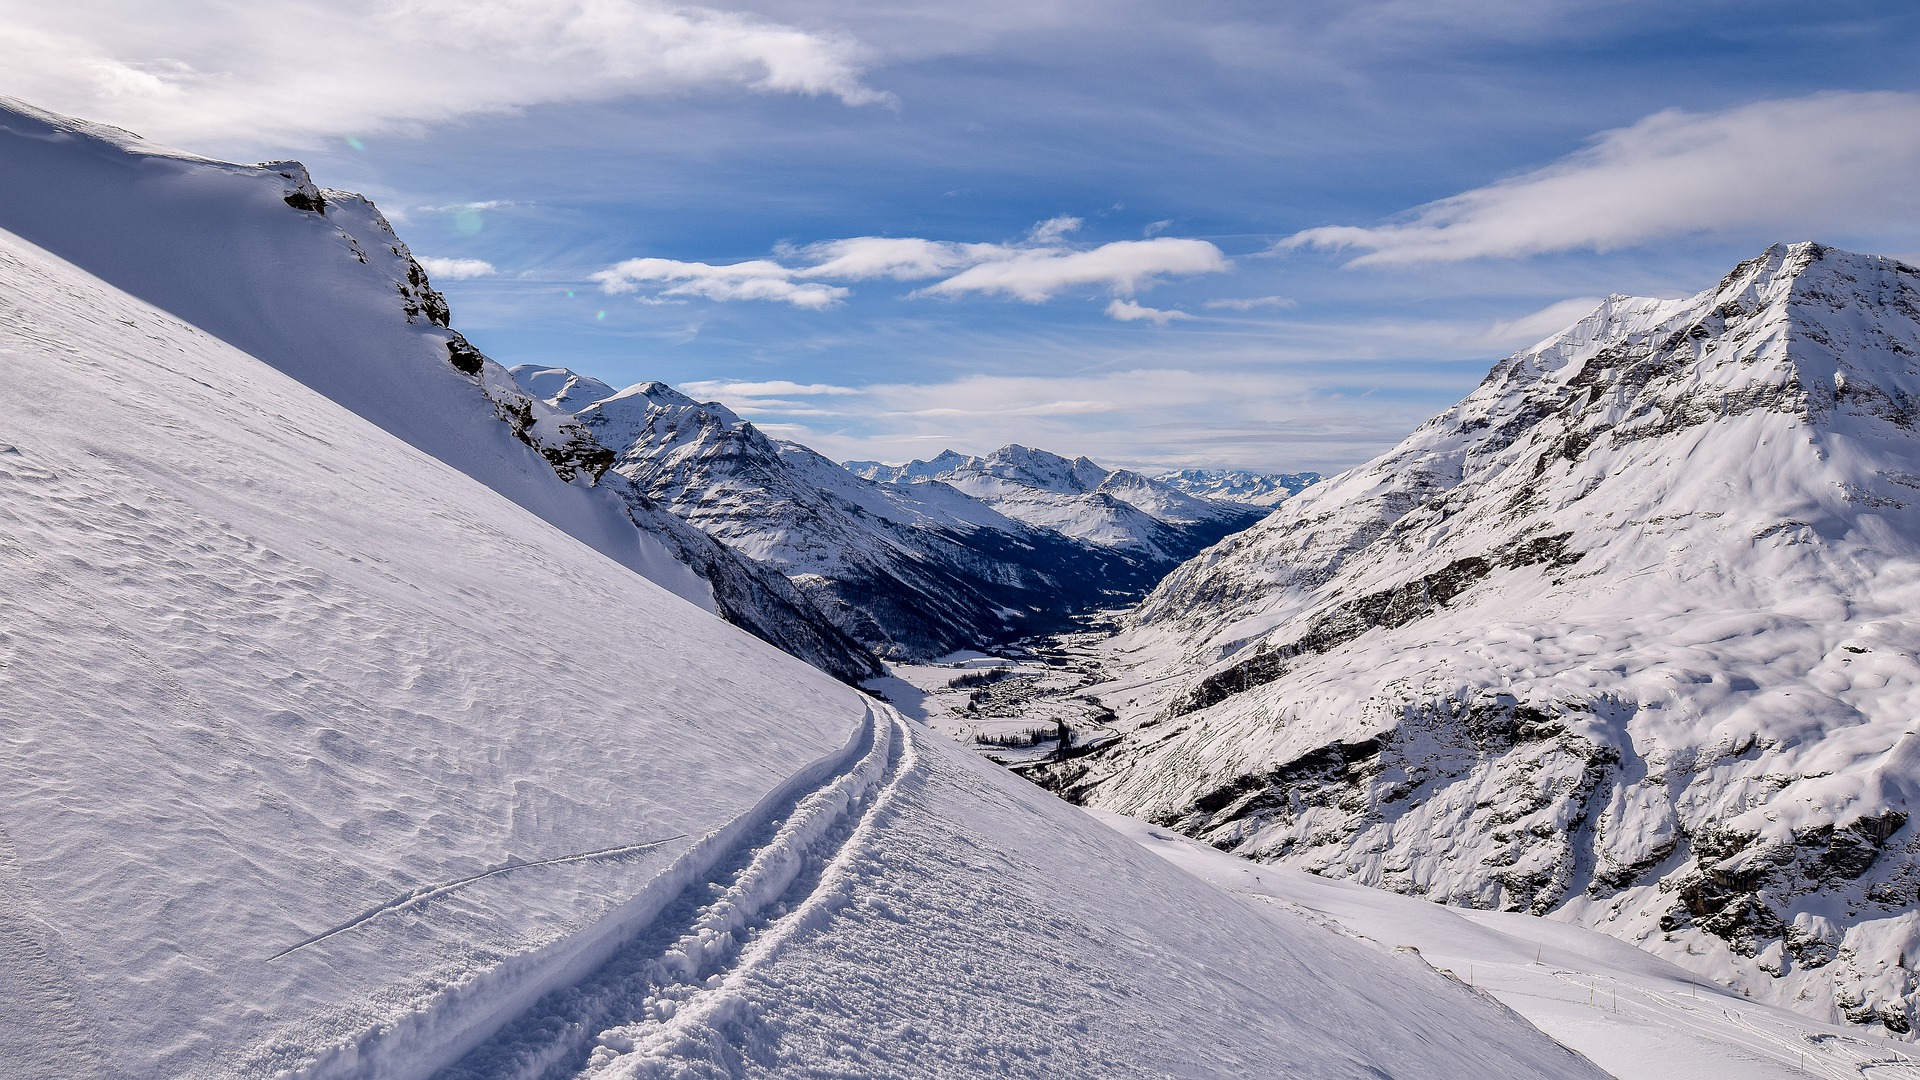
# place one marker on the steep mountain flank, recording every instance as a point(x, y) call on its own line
point(316, 283)
point(913, 571)
point(1628, 637)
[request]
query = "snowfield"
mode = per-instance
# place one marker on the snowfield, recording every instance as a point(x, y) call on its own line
point(335, 744)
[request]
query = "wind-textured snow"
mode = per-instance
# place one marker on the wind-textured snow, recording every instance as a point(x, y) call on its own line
point(320, 757)
point(1627, 636)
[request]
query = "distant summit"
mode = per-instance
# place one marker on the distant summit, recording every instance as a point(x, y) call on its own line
point(1113, 508)
point(1234, 485)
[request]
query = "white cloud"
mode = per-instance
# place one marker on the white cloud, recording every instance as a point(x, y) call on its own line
point(1124, 267)
point(469, 207)
point(757, 279)
point(300, 70)
point(1130, 311)
point(1155, 228)
point(1795, 167)
point(1033, 271)
point(1053, 229)
point(774, 388)
point(901, 258)
point(1549, 320)
point(1249, 303)
point(457, 269)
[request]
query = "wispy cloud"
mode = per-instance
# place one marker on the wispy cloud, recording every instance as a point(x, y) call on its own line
point(457, 269)
point(772, 389)
point(1132, 311)
point(1034, 270)
point(1549, 320)
point(1796, 166)
point(1250, 303)
point(1124, 267)
point(759, 279)
point(286, 70)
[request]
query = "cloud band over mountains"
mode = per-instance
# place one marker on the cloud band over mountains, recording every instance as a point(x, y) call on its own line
point(1033, 270)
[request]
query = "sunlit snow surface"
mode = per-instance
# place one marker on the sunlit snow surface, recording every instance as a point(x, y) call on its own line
point(1633, 1014)
point(319, 757)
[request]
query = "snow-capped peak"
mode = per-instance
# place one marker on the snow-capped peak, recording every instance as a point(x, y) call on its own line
point(559, 387)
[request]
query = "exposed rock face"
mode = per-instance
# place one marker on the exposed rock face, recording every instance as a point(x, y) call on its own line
point(912, 570)
point(1628, 636)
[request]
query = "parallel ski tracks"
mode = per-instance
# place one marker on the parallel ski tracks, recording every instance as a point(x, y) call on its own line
point(676, 984)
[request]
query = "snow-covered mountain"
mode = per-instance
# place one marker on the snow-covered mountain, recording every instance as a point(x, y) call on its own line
point(324, 757)
point(566, 390)
point(316, 283)
point(1236, 485)
point(1114, 508)
point(912, 570)
point(1628, 636)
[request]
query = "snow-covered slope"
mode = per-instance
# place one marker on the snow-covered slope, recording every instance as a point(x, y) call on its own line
point(316, 283)
point(914, 570)
point(1112, 508)
point(1235, 485)
point(321, 758)
point(1628, 636)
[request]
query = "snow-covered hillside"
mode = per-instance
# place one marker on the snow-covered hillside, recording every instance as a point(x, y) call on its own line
point(1628, 636)
point(1235, 485)
point(913, 570)
point(1113, 508)
point(316, 283)
point(323, 758)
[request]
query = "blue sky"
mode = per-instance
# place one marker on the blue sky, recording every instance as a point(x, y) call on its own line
point(1261, 235)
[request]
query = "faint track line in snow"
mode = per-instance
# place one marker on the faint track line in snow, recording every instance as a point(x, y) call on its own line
point(425, 893)
point(686, 967)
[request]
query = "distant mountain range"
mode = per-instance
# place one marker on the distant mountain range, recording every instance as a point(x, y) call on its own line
point(1630, 635)
point(1233, 485)
point(1012, 545)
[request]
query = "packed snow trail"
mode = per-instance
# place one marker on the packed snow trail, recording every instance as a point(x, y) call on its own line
point(685, 968)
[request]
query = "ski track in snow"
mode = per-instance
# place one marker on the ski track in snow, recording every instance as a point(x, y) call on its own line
point(664, 996)
point(427, 893)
